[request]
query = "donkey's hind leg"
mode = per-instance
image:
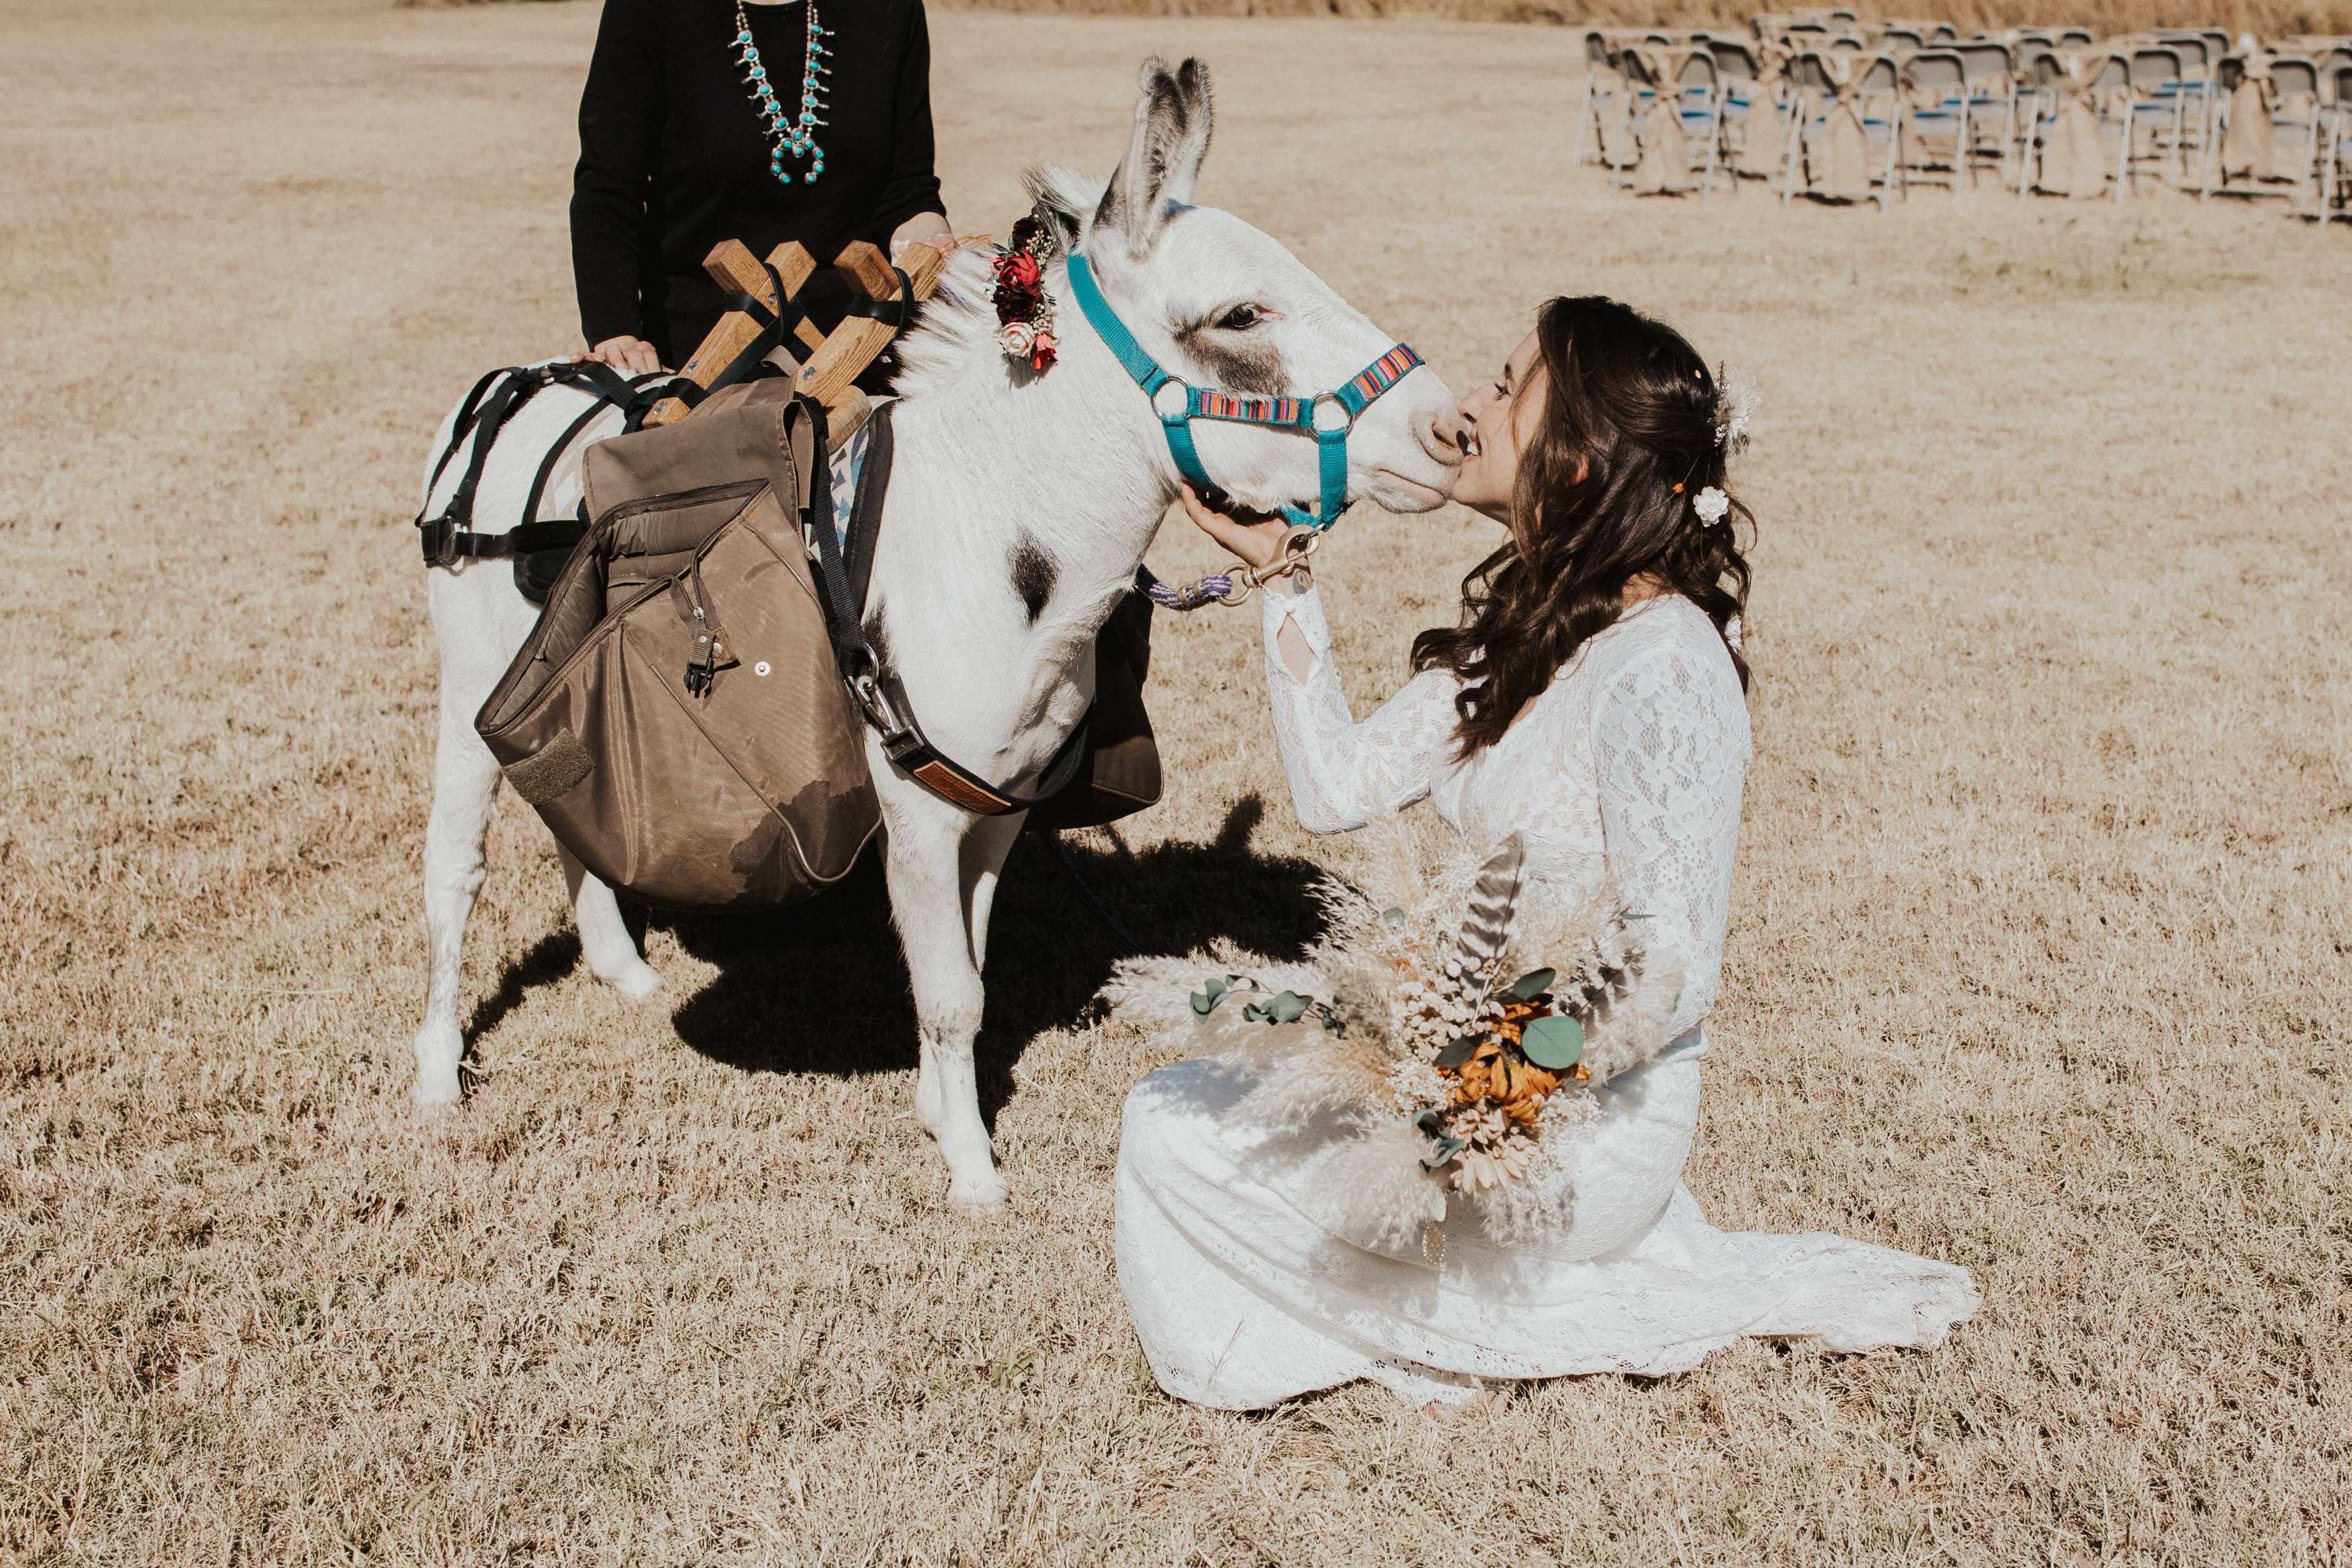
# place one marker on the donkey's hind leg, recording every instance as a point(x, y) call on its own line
point(465, 783)
point(605, 940)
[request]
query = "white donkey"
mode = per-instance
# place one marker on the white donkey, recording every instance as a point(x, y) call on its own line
point(1020, 506)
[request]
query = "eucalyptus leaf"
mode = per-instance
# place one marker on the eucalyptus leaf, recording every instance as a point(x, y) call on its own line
point(1254, 1013)
point(1533, 984)
point(1204, 1003)
point(1460, 1050)
point(1214, 987)
point(1288, 1007)
point(1553, 1042)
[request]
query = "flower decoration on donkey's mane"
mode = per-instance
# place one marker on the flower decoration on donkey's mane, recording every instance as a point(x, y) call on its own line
point(1025, 311)
point(1450, 1027)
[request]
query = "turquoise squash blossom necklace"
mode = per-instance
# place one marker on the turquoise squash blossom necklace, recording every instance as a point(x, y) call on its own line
point(796, 138)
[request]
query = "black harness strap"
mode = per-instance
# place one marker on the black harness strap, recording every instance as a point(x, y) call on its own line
point(893, 312)
point(467, 412)
point(449, 538)
point(843, 580)
point(629, 396)
point(773, 325)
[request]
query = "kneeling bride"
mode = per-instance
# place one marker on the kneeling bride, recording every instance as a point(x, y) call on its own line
point(1448, 1146)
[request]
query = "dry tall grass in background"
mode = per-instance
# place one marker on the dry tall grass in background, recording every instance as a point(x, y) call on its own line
point(2108, 18)
point(2037, 954)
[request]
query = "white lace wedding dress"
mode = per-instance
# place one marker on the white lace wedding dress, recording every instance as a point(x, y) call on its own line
point(1628, 767)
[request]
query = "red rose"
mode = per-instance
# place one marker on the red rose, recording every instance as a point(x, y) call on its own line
point(1016, 302)
point(1024, 269)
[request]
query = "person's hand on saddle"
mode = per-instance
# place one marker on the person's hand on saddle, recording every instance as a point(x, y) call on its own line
point(630, 356)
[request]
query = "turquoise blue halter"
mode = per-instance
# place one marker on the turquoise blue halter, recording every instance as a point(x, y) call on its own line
point(1328, 416)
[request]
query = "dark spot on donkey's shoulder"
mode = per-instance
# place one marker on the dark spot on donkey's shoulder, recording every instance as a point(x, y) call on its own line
point(1033, 574)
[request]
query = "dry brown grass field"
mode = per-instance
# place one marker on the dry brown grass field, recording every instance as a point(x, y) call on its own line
point(2037, 957)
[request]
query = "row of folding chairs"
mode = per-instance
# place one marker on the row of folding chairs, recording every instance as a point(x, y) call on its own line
point(1712, 93)
point(1993, 103)
point(2309, 107)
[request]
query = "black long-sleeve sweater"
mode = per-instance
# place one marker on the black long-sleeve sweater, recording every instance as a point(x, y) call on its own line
point(673, 157)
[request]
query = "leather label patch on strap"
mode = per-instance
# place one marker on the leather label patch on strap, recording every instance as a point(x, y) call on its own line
point(552, 770)
point(958, 790)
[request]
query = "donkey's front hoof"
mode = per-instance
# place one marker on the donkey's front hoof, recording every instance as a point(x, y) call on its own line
point(978, 1195)
point(437, 1050)
point(636, 980)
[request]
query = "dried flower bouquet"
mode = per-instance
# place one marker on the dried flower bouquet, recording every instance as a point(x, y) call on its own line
point(1446, 1033)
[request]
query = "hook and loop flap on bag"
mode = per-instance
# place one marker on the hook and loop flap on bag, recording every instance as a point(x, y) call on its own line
point(677, 717)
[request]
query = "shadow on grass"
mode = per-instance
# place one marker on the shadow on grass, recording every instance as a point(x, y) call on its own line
point(822, 988)
point(551, 959)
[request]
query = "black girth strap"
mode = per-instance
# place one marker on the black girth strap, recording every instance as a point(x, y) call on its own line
point(843, 580)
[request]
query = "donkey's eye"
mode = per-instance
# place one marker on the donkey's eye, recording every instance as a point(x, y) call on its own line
point(1239, 318)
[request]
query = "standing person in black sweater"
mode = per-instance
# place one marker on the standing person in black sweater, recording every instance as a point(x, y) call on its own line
point(683, 145)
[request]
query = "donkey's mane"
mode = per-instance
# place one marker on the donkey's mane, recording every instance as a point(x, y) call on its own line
point(958, 322)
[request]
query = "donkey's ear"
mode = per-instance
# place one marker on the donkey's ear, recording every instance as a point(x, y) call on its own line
point(1062, 197)
point(1173, 124)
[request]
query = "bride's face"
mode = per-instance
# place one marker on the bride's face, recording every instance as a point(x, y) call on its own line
point(1499, 420)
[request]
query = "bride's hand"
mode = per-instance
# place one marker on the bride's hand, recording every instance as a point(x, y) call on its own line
point(1257, 542)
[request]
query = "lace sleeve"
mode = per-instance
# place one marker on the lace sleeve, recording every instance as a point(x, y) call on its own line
point(1670, 737)
point(1343, 773)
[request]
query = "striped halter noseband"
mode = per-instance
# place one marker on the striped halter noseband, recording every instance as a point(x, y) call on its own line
point(1328, 416)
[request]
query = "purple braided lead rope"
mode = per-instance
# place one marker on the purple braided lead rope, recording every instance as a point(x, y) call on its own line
point(1209, 590)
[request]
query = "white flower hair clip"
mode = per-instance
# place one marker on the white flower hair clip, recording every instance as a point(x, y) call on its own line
point(1735, 402)
point(1710, 504)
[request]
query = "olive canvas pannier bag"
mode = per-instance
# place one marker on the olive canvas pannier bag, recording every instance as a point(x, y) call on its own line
point(679, 718)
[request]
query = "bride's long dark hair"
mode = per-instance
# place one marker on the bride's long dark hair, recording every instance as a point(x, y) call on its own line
point(1628, 439)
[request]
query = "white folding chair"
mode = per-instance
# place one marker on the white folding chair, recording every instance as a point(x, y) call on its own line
point(2194, 89)
point(1735, 71)
point(2148, 68)
point(1807, 77)
point(1877, 98)
point(2335, 107)
point(1699, 99)
point(1936, 104)
point(1988, 83)
point(2291, 107)
point(2040, 90)
point(1599, 62)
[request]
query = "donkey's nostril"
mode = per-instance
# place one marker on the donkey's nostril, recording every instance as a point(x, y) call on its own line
point(1441, 438)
